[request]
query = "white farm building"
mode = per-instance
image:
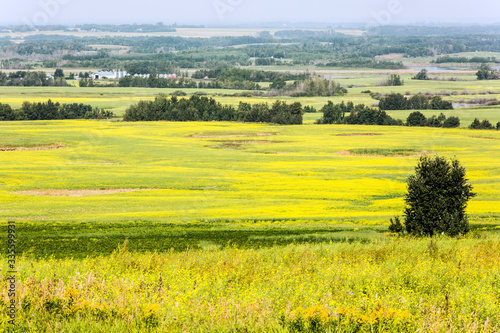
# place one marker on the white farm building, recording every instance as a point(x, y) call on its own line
point(109, 75)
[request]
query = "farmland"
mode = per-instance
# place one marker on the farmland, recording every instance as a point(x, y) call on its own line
point(205, 171)
point(117, 206)
point(245, 227)
point(118, 99)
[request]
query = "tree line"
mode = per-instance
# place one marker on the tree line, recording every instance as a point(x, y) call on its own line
point(156, 82)
point(449, 59)
point(485, 124)
point(358, 62)
point(31, 79)
point(198, 108)
point(303, 86)
point(348, 113)
point(239, 74)
point(417, 118)
point(159, 27)
point(397, 101)
point(52, 111)
point(358, 114)
point(215, 52)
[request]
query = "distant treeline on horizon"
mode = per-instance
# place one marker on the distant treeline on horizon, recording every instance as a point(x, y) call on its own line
point(158, 27)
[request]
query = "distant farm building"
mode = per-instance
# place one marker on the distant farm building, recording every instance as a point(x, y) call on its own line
point(109, 75)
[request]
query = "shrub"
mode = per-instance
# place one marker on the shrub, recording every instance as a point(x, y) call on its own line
point(437, 196)
point(393, 80)
point(310, 109)
point(416, 118)
point(418, 102)
point(6, 112)
point(396, 225)
point(393, 102)
point(485, 124)
point(422, 75)
point(451, 122)
point(178, 93)
point(476, 124)
point(437, 103)
point(486, 73)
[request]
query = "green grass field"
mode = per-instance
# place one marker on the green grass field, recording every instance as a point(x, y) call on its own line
point(118, 99)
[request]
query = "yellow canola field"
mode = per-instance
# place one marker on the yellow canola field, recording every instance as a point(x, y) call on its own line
point(212, 171)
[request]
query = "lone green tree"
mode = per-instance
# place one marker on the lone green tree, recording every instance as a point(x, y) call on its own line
point(422, 75)
point(58, 73)
point(416, 118)
point(437, 196)
point(486, 73)
point(394, 80)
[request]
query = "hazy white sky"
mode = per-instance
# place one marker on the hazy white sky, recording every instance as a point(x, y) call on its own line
point(247, 11)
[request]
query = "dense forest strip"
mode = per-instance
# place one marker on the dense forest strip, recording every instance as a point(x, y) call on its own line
point(52, 111)
point(198, 108)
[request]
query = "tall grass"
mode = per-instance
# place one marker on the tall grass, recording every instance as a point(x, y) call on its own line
point(390, 285)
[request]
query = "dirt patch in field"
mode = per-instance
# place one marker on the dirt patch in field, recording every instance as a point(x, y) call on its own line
point(273, 152)
point(209, 135)
point(47, 147)
point(484, 137)
point(384, 153)
point(231, 145)
point(80, 193)
point(358, 134)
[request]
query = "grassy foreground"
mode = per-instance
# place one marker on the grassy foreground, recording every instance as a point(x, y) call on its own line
point(396, 285)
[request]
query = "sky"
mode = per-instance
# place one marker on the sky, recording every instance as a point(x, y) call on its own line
point(230, 12)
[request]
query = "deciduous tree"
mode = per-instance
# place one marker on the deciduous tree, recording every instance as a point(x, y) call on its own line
point(437, 196)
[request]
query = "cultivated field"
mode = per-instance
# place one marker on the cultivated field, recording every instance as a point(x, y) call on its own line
point(232, 227)
point(206, 171)
point(461, 92)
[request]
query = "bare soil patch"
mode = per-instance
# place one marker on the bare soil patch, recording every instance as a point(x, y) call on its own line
point(358, 134)
point(209, 135)
point(80, 193)
point(384, 153)
point(230, 145)
point(485, 137)
point(47, 147)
